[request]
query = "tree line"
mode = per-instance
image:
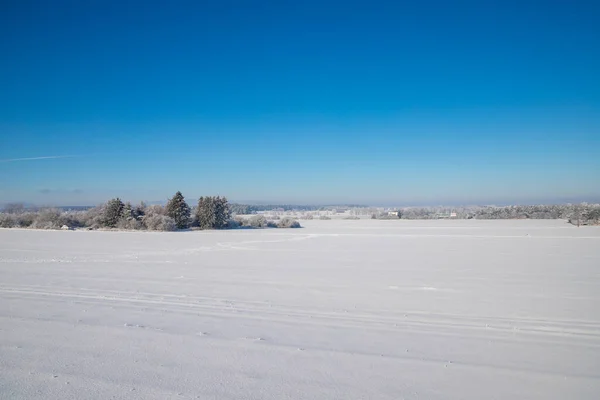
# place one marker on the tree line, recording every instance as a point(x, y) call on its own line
point(241, 209)
point(211, 212)
point(586, 213)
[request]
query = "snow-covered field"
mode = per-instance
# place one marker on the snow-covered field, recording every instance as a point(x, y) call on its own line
point(337, 310)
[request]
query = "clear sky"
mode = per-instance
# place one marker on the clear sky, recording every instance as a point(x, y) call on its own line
point(416, 102)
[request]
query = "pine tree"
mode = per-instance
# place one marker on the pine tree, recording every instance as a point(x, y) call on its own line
point(127, 213)
point(112, 212)
point(213, 212)
point(206, 213)
point(222, 212)
point(178, 209)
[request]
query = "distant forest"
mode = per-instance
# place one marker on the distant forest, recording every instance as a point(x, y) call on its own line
point(584, 213)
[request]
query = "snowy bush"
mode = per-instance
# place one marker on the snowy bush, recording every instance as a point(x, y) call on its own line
point(24, 220)
point(155, 209)
point(49, 218)
point(90, 218)
point(234, 224)
point(130, 224)
point(260, 221)
point(288, 223)
point(156, 222)
point(7, 220)
point(324, 218)
point(256, 221)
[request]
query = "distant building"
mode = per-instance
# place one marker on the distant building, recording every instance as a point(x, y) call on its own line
point(393, 213)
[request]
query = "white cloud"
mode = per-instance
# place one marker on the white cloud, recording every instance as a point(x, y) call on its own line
point(7, 160)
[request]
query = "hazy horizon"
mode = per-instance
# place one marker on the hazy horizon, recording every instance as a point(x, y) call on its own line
point(193, 200)
point(304, 103)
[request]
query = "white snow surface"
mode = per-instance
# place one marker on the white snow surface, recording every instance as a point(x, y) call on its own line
point(340, 309)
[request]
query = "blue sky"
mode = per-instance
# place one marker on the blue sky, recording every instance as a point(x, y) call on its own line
point(431, 102)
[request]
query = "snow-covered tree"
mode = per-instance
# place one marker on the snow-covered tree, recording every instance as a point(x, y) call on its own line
point(127, 211)
point(222, 213)
point(112, 212)
point(212, 212)
point(178, 209)
point(206, 212)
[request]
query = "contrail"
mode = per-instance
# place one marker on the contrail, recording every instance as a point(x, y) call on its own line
point(33, 158)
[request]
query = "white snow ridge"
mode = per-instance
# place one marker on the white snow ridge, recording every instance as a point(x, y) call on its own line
point(363, 309)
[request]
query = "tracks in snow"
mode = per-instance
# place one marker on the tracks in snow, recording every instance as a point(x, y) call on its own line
point(446, 324)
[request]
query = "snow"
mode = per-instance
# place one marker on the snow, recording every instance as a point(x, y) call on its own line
point(360, 309)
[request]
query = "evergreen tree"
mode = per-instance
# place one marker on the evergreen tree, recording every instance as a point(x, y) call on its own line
point(178, 209)
point(213, 212)
point(222, 212)
point(127, 213)
point(112, 212)
point(206, 212)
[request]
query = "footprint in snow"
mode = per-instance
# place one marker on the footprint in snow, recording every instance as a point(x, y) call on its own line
point(256, 339)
